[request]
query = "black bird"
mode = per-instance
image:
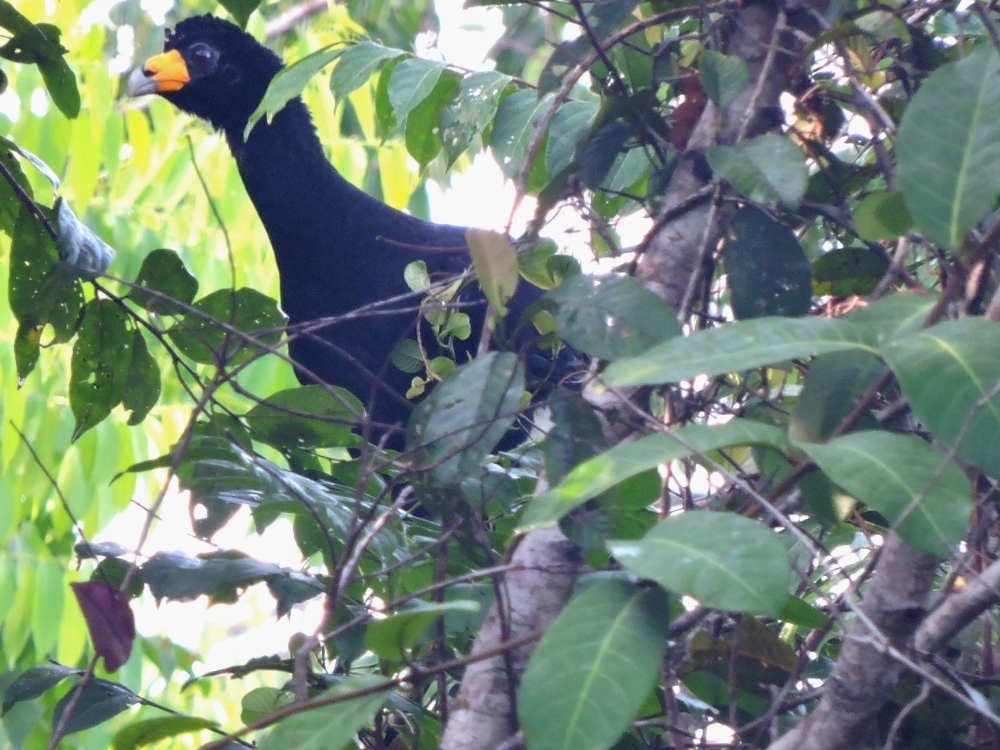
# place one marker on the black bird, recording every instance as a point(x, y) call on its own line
point(337, 248)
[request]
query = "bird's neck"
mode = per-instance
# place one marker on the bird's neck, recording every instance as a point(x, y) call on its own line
point(296, 191)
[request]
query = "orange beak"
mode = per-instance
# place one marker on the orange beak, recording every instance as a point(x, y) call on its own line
point(159, 74)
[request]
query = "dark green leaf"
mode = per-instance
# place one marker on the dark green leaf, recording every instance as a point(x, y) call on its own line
point(102, 356)
point(833, 385)
point(163, 271)
point(599, 154)
point(744, 569)
point(176, 576)
point(848, 271)
point(142, 386)
point(100, 701)
point(306, 417)
point(926, 497)
point(611, 317)
point(768, 271)
point(229, 326)
point(423, 132)
point(466, 415)
point(881, 216)
point(593, 669)
point(570, 123)
point(240, 9)
point(471, 112)
point(514, 129)
point(391, 638)
point(948, 147)
point(356, 65)
point(289, 83)
point(33, 682)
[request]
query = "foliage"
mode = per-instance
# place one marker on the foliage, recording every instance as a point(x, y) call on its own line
point(778, 433)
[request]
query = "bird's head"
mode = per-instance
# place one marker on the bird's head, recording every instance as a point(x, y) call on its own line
point(210, 68)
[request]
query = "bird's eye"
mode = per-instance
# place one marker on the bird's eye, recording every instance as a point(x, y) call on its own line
point(201, 54)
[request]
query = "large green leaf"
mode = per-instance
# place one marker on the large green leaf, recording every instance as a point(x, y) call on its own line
point(948, 147)
point(766, 169)
point(591, 672)
point(950, 374)
point(412, 81)
point(289, 83)
point(723, 560)
point(738, 346)
point(604, 471)
point(514, 128)
point(306, 417)
point(724, 77)
point(423, 133)
point(329, 727)
point(768, 271)
point(926, 497)
point(466, 415)
point(610, 317)
point(471, 111)
point(102, 356)
point(569, 124)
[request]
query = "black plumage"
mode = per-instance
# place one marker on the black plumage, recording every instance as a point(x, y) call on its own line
point(337, 249)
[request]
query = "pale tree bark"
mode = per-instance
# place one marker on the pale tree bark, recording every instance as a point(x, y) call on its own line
point(483, 716)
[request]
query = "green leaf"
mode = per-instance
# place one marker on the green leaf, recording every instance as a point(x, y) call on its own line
point(724, 77)
point(102, 356)
point(306, 417)
point(39, 44)
point(834, 383)
point(766, 169)
point(604, 471)
point(394, 636)
point(356, 65)
point(881, 216)
point(423, 132)
point(798, 612)
point(570, 124)
point(949, 375)
point(514, 128)
point(412, 81)
point(209, 337)
point(34, 682)
point(739, 346)
point(768, 271)
point(495, 261)
point(948, 147)
point(146, 732)
point(848, 271)
point(472, 111)
point(466, 415)
point(289, 83)
point(744, 568)
point(240, 9)
point(926, 497)
point(900, 314)
point(41, 291)
point(100, 701)
point(610, 317)
point(329, 727)
point(593, 669)
point(163, 271)
point(407, 356)
point(142, 386)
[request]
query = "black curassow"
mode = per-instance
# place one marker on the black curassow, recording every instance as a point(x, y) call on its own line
point(337, 248)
